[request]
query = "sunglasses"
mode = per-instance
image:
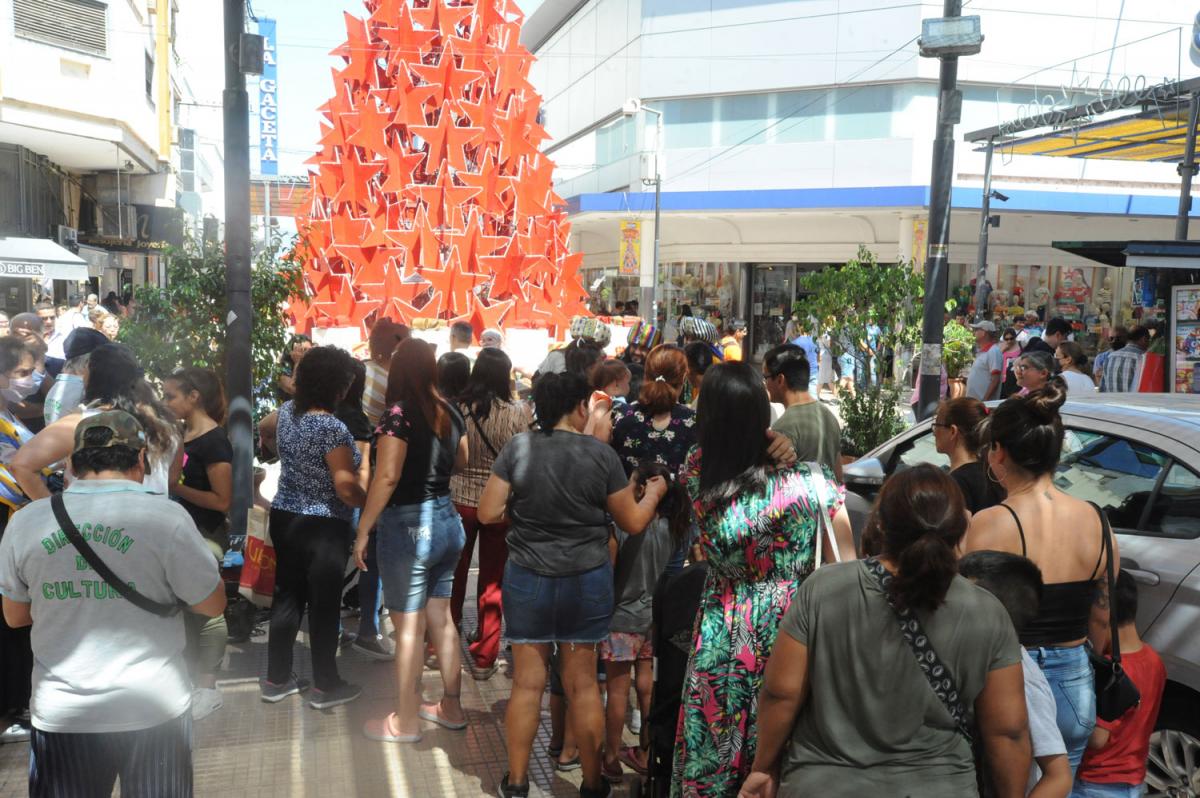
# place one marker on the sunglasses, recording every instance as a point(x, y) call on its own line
point(1010, 338)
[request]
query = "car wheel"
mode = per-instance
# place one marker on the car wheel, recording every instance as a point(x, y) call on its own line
point(1173, 765)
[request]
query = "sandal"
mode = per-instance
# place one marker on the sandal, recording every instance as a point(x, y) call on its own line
point(612, 772)
point(378, 730)
point(483, 674)
point(566, 767)
point(436, 717)
point(630, 755)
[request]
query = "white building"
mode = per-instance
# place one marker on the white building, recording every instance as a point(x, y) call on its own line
point(797, 130)
point(91, 93)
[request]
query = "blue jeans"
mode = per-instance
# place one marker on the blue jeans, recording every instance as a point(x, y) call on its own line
point(1070, 676)
point(368, 593)
point(558, 609)
point(418, 550)
point(1088, 789)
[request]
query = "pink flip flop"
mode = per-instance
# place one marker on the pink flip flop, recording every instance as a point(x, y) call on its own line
point(436, 717)
point(378, 730)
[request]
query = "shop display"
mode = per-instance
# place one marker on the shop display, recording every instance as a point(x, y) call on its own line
point(1185, 339)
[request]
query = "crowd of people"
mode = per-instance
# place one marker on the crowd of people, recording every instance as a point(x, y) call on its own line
point(674, 503)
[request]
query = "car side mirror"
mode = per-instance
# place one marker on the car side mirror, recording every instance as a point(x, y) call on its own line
point(867, 471)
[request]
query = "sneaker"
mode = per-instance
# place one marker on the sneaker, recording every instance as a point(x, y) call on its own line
point(205, 701)
point(346, 638)
point(506, 790)
point(16, 733)
point(374, 647)
point(344, 693)
point(274, 693)
point(635, 722)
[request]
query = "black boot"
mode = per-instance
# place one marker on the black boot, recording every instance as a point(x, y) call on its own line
point(603, 791)
point(506, 790)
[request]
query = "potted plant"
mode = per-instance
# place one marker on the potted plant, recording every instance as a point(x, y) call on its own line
point(958, 352)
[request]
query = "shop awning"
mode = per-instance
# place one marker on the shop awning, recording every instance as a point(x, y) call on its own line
point(1164, 254)
point(1158, 135)
point(37, 258)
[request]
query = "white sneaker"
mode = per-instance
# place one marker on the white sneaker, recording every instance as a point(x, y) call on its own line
point(16, 733)
point(205, 701)
point(635, 722)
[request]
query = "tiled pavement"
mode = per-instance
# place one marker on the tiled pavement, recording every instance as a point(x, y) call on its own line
point(288, 750)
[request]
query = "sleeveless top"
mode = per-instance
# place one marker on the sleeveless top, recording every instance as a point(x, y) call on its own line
point(1065, 607)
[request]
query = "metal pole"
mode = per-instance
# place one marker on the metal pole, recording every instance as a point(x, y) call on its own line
point(985, 224)
point(658, 149)
point(1187, 170)
point(237, 268)
point(936, 273)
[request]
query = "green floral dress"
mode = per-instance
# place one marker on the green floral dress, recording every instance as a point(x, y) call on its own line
point(759, 548)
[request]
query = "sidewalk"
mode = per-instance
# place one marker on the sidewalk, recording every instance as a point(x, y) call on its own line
point(248, 749)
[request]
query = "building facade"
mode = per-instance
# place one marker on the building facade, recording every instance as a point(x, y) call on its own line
point(796, 131)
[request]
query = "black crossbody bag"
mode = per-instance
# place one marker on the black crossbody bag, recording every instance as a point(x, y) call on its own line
point(1116, 693)
point(100, 567)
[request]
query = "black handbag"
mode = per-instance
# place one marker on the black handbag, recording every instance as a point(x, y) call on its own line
point(100, 567)
point(1116, 693)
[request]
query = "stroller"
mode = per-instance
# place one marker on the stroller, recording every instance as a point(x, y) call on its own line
point(676, 601)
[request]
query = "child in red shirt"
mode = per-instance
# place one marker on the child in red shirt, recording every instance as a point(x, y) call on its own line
point(1115, 762)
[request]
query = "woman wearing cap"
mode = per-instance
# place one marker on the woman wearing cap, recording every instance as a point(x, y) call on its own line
point(113, 381)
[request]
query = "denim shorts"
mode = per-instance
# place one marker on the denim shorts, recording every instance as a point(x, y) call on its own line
point(1090, 789)
point(418, 546)
point(1069, 673)
point(557, 609)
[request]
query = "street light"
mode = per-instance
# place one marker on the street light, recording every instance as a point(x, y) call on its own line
point(649, 297)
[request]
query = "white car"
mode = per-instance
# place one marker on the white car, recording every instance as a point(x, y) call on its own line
point(1138, 457)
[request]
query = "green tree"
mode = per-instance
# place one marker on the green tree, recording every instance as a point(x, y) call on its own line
point(867, 308)
point(182, 323)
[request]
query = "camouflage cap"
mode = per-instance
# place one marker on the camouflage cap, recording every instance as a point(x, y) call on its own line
point(124, 429)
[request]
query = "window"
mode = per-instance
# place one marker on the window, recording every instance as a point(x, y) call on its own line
point(149, 77)
point(744, 119)
point(1117, 474)
point(1176, 512)
point(918, 450)
point(862, 112)
point(73, 24)
point(615, 141)
point(688, 123)
point(800, 115)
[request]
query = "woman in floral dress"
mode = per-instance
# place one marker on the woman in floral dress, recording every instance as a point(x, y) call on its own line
point(657, 427)
point(759, 529)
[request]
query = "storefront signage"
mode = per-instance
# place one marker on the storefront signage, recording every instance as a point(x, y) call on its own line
point(156, 229)
point(268, 102)
point(17, 268)
point(630, 253)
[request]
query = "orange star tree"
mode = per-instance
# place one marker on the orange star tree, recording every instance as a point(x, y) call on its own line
point(431, 197)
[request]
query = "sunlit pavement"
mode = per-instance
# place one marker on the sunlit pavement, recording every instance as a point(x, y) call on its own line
point(248, 748)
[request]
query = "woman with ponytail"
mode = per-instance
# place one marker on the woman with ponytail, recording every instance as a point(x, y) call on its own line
point(1064, 538)
point(657, 428)
point(844, 701)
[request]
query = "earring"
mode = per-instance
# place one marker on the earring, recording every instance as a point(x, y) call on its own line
point(992, 475)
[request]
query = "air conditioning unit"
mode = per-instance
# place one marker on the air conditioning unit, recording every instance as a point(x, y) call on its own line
point(68, 237)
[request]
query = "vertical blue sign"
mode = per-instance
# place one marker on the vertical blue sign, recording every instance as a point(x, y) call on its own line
point(268, 103)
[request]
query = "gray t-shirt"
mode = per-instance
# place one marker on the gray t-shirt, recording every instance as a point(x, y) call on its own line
point(100, 663)
point(560, 488)
point(814, 432)
point(871, 724)
point(1043, 718)
point(641, 560)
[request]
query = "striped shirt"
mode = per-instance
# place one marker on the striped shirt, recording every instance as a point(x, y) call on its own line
point(374, 392)
point(505, 421)
point(1121, 368)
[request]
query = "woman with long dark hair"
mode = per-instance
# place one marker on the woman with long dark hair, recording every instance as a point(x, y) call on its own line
point(761, 533)
point(310, 528)
point(492, 420)
point(1064, 538)
point(418, 444)
point(957, 433)
point(873, 725)
point(559, 485)
point(454, 370)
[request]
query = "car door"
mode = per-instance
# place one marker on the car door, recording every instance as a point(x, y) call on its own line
point(1127, 475)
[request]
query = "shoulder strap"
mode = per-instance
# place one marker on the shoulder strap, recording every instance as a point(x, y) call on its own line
point(816, 477)
point(482, 435)
point(939, 677)
point(1107, 552)
point(100, 567)
point(1020, 529)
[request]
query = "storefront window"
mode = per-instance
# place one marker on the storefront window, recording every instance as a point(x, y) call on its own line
point(771, 296)
point(709, 289)
point(606, 288)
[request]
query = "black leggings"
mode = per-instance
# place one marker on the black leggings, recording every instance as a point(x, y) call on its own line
point(310, 563)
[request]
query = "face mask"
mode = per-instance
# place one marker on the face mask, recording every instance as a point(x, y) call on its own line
point(37, 378)
point(18, 390)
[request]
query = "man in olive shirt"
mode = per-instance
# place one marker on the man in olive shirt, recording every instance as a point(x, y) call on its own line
point(811, 426)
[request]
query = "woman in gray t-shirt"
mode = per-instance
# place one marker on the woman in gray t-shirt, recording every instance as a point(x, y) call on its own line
point(556, 485)
point(845, 710)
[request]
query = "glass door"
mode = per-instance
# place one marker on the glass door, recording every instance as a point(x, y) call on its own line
point(771, 295)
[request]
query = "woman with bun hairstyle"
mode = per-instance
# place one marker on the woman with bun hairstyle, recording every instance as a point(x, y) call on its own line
point(1064, 538)
point(872, 725)
point(1074, 365)
point(657, 427)
point(956, 433)
point(559, 486)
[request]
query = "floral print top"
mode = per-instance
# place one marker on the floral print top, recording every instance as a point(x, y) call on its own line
point(305, 484)
point(635, 438)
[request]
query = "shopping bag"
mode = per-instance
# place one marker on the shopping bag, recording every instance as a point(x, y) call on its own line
point(257, 583)
point(1152, 373)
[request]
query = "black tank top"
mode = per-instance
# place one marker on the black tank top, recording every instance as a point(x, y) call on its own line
point(1066, 606)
